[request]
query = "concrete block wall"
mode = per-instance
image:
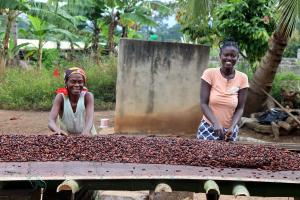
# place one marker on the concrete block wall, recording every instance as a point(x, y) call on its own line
point(158, 87)
point(290, 65)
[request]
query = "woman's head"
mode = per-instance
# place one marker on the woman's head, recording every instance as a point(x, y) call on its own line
point(75, 80)
point(229, 54)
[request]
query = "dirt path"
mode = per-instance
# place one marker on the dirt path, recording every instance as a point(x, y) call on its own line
point(30, 122)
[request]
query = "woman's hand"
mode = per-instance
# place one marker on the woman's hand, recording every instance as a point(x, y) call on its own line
point(60, 132)
point(85, 133)
point(228, 134)
point(218, 129)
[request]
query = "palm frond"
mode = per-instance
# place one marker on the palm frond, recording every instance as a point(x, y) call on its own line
point(290, 12)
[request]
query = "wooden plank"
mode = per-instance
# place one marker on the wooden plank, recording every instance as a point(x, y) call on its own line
point(78, 170)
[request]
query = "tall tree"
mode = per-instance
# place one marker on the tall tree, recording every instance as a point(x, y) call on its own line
point(41, 29)
point(265, 73)
point(11, 9)
point(89, 14)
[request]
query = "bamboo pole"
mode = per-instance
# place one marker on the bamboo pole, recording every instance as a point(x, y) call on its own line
point(163, 187)
point(212, 190)
point(239, 189)
point(283, 108)
point(68, 185)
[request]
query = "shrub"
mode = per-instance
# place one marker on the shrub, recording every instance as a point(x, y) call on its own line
point(51, 58)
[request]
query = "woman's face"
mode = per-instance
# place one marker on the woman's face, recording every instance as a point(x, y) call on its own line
point(75, 84)
point(229, 56)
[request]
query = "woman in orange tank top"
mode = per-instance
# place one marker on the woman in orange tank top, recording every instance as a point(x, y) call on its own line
point(223, 96)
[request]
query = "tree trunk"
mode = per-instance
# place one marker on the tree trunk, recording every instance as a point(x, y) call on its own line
point(4, 50)
point(265, 73)
point(14, 30)
point(72, 50)
point(124, 32)
point(111, 41)
point(95, 42)
point(40, 54)
point(112, 26)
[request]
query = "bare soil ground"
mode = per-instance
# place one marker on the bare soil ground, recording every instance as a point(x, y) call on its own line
point(36, 123)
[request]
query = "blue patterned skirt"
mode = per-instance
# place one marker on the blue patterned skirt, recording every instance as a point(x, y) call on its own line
point(206, 132)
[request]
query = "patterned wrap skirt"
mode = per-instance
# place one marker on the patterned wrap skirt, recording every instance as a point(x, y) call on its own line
point(206, 132)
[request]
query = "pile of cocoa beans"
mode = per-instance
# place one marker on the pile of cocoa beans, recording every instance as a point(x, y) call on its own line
point(146, 150)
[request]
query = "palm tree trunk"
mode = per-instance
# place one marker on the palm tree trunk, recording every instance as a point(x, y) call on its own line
point(4, 50)
point(265, 73)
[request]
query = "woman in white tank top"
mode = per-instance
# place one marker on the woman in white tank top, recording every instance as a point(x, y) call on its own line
point(73, 107)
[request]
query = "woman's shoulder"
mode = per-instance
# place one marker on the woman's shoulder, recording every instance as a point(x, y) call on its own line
point(87, 95)
point(211, 71)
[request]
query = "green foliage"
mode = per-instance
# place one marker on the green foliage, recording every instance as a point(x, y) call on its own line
point(195, 28)
point(35, 90)
point(102, 81)
point(50, 58)
point(248, 22)
point(293, 46)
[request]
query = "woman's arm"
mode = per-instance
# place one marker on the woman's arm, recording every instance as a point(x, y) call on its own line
point(89, 117)
point(204, 98)
point(242, 96)
point(238, 113)
point(56, 107)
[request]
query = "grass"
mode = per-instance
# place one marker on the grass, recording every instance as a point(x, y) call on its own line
point(35, 90)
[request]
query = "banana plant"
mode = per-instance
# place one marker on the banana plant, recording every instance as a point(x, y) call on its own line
point(13, 50)
point(13, 8)
point(130, 14)
point(41, 29)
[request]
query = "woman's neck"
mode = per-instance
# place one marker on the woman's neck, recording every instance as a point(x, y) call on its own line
point(227, 73)
point(74, 98)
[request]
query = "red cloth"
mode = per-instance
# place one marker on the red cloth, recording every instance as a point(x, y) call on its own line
point(65, 91)
point(56, 73)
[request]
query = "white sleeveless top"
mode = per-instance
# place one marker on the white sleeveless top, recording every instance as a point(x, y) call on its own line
point(74, 122)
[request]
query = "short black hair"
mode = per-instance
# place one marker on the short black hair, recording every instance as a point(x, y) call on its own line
point(228, 43)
